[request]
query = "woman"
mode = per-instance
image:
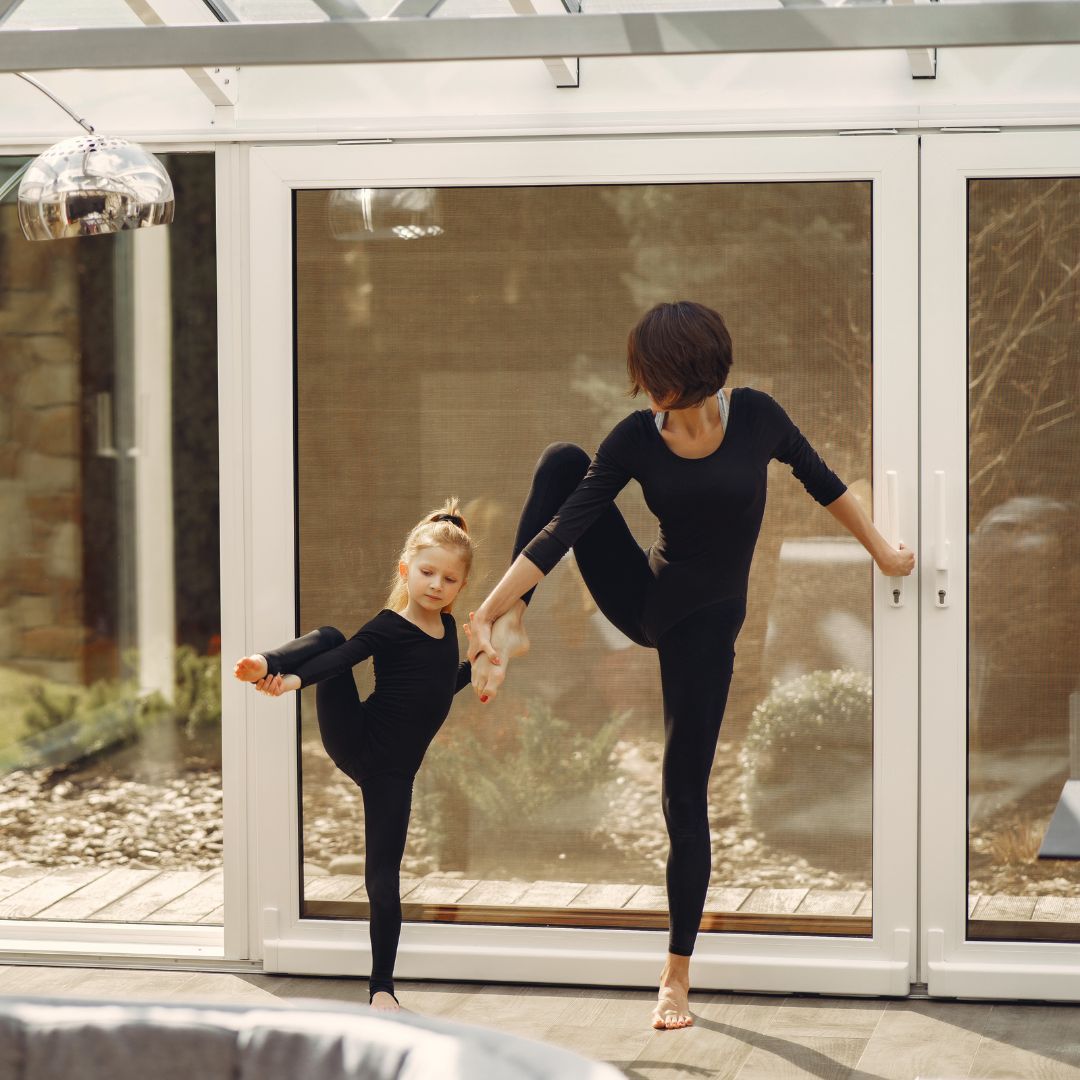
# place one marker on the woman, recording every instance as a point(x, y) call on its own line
point(701, 455)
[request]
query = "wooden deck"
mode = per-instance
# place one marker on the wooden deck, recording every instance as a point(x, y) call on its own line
point(196, 896)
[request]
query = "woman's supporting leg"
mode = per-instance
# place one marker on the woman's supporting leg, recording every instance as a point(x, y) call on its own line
point(387, 804)
point(696, 660)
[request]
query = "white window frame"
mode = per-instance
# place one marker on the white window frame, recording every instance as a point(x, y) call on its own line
point(883, 964)
point(954, 966)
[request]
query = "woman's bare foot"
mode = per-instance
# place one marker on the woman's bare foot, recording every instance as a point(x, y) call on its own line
point(385, 1002)
point(673, 1001)
point(510, 640)
point(250, 668)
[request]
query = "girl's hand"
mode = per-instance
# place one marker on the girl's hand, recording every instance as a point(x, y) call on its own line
point(897, 562)
point(276, 685)
point(478, 631)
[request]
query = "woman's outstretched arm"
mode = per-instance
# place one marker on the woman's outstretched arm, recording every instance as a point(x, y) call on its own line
point(893, 562)
point(516, 582)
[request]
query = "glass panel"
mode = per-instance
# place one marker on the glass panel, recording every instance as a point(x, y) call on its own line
point(278, 10)
point(53, 14)
point(1023, 502)
point(110, 706)
point(438, 355)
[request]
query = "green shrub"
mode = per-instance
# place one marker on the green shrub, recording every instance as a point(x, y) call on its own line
point(808, 767)
point(198, 692)
point(524, 789)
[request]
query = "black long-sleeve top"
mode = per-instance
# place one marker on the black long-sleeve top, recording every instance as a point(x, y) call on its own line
point(709, 509)
point(416, 678)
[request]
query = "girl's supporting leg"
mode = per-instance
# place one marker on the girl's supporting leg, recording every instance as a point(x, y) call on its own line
point(696, 659)
point(611, 562)
point(387, 804)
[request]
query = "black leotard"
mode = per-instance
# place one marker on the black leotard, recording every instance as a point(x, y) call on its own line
point(381, 741)
point(416, 678)
point(686, 596)
point(709, 508)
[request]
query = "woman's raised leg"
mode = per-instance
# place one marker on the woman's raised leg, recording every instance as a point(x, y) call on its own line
point(613, 566)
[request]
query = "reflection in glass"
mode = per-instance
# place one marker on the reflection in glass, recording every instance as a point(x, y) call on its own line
point(426, 370)
point(384, 213)
point(110, 781)
point(1024, 581)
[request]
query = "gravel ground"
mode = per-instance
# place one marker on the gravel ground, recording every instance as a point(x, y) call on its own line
point(88, 817)
point(92, 819)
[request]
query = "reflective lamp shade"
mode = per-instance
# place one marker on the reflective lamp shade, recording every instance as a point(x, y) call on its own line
point(384, 213)
point(89, 186)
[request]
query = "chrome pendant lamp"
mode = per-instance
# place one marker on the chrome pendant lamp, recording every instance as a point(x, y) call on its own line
point(91, 185)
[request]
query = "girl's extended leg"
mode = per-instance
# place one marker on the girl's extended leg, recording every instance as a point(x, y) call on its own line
point(387, 804)
point(696, 659)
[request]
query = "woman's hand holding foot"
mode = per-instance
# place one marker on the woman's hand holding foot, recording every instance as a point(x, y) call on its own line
point(492, 644)
point(250, 668)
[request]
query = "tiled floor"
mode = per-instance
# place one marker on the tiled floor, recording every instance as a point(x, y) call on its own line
point(736, 1037)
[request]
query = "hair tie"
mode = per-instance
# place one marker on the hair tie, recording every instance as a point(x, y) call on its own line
point(452, 518)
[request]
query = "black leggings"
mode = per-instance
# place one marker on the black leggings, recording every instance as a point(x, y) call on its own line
point(696, 659)
point(387, 796)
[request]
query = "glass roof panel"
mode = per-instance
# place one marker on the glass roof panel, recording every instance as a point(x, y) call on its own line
point(277, 10)
point(55, 14)
point(459, 9)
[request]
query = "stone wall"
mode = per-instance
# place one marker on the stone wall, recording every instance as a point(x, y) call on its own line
point(41, 609)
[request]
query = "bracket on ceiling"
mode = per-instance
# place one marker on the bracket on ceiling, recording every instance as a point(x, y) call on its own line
point(923, 61)
point(565, 70)
point(220, 85)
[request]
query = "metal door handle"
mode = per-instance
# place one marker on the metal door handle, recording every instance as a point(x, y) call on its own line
point(942, 545)
point(892, 500)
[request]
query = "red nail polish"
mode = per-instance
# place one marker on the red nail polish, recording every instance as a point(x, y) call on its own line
point(484, 698)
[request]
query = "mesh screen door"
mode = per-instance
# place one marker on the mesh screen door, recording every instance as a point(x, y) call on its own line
point(444, 338)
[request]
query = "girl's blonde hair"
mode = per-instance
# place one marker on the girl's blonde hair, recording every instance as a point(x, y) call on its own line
point(444, 528)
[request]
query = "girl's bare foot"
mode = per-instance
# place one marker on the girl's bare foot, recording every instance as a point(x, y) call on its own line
point(510, 640)
point(385, 1002)
point(673, 1000)
point(250, 668)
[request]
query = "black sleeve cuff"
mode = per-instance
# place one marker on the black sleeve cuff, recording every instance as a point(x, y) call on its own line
point(545, 550)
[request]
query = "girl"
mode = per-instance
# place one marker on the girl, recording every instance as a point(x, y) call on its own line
point(380, 742)
point(701, 456)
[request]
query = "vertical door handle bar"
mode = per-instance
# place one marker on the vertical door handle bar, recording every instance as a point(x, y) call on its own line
point(941, 546)
point(892, 499)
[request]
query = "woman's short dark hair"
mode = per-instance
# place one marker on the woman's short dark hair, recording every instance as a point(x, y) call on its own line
point(679, 354)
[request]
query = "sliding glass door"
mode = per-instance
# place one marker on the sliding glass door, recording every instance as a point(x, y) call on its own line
point(1001, 674)
point(444, 333)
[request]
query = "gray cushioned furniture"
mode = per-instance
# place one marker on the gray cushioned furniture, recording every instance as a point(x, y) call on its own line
point(51, 1038)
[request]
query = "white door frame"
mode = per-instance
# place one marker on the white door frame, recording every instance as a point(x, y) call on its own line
point(952, 965)
point(883, 964)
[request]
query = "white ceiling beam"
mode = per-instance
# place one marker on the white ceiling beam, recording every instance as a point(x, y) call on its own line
point(814, 29)
point(923, 61)
point(220, 84)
